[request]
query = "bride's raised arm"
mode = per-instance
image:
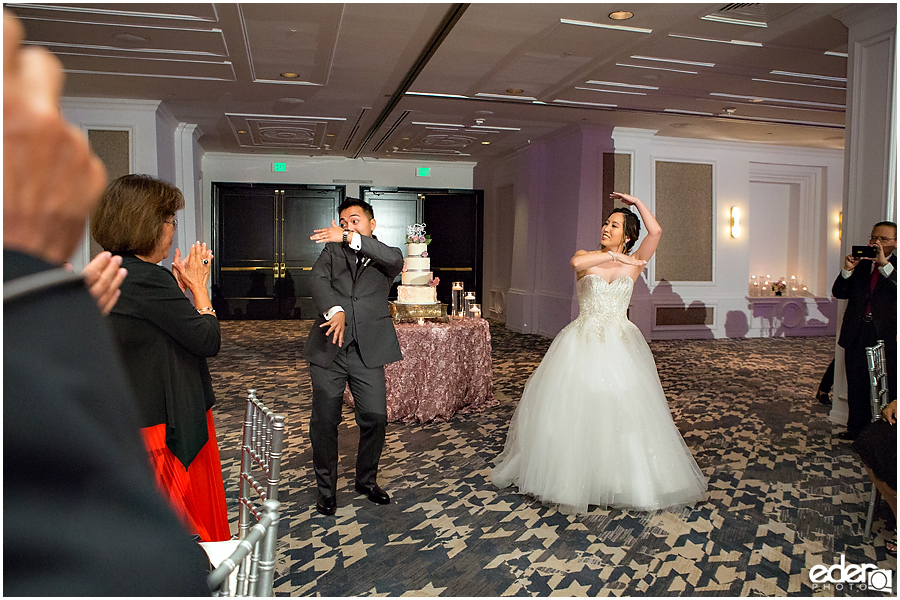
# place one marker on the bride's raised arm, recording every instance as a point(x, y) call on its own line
point(654, 231)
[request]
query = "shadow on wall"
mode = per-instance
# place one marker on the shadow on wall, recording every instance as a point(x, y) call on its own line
point(673, 319)
point(788, 317)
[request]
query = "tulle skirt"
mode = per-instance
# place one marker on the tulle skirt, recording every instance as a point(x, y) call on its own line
point(593, 427)
point(197, 494)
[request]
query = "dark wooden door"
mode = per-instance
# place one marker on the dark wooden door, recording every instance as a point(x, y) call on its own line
point(263, 252)
point(455, 221)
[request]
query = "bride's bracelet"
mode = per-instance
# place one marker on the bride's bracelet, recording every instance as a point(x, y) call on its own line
point(611, 255)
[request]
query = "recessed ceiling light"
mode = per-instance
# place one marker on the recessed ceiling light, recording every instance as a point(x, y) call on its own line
point(610, 91)
point(809, 76)
point(484, 112)
point(621, 15)
point(291, 100)
point(514, 91)
point(827, 87)
point(329, 135)
point(560, 101)
point(404, 138)
point(242, 131)
point(617, 84)
point(485, 143)
point(656, 68)
point(290, 75)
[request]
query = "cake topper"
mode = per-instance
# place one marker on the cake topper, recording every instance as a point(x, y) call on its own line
point(415, 234)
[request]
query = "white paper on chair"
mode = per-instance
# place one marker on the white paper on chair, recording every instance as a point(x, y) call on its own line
point(219, 551)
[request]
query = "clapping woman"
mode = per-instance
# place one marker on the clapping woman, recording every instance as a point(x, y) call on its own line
point(164, 341)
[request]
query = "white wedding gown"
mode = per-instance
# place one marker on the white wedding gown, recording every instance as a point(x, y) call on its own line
point(593, 426)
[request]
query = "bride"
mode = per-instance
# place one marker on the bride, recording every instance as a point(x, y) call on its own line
point(593, 426)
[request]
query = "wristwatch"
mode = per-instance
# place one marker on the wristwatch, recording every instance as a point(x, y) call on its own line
point(344, 236)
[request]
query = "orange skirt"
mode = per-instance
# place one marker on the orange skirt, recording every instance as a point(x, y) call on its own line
point(197, 494)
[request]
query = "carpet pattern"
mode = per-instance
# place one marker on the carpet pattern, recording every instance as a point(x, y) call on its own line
point(785, 494)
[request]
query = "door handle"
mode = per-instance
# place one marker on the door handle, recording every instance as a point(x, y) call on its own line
point(243, 268)
point(283, 270)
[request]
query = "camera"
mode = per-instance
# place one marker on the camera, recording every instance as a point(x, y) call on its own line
point(879, 580)
point(864, 252)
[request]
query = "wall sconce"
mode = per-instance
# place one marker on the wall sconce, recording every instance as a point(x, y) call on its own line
point(841, 226)
point(735, 222)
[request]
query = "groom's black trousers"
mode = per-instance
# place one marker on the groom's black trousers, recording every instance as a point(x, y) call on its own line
point(370, 398)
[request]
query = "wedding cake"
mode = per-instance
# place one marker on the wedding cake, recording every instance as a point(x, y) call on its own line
point(417, 284)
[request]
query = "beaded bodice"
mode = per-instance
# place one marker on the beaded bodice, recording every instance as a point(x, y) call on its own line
point(599, 300)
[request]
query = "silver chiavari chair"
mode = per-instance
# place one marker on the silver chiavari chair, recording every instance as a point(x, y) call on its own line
point(879, 398)
point(252, 556)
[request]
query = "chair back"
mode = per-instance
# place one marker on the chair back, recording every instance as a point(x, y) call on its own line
point(254, 556)
point(878, 380)
point(261, 449)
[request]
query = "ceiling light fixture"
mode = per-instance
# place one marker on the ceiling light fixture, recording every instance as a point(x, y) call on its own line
point(597, 104)
point(611, 91)
point(290, 75)
point(656, 68)
point(242, 131)
point(617, 84)
point(733, 21)
point(496, 127)
point(621, 15)
point(605, 26)
point(674, 60)
point(485, 143)
point(435, 95)
point(437, 124)
point(706, 39)
point(839, 54)
point(687, 112)
point(827, 87)
point(484, 95)
point(782, 100)
point(809, 76)
point(514, 91)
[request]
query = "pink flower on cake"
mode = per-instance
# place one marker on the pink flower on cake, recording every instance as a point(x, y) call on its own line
point(434, 282)
point(425, 254)
point(404, 267)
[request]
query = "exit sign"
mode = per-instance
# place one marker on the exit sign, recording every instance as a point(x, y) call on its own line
point(423, 171)
point(279, 167)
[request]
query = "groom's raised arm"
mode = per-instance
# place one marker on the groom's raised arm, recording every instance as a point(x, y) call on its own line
point(388, 258)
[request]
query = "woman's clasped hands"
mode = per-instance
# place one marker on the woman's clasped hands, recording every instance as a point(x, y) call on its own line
point(193, 270)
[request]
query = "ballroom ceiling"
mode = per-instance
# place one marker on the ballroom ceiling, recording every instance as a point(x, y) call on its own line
point(458, 81)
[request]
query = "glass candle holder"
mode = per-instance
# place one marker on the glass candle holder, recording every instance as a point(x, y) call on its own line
point(476, 311)
point(456, 299)
point(469, 301)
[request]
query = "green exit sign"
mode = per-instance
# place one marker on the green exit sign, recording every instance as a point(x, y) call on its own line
point(279, 167)
point(423, 171)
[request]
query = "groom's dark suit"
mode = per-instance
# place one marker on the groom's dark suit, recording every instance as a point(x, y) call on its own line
point(370, 342)
point(870, 316)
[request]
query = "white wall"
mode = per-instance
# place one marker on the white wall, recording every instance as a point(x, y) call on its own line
point(557, 183)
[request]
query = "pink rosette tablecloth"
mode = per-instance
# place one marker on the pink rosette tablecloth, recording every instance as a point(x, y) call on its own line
point(446, 369)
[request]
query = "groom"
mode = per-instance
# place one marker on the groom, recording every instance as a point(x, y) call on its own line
point(351, 340)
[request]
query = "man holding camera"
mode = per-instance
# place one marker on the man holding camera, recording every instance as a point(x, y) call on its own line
point(868, 282)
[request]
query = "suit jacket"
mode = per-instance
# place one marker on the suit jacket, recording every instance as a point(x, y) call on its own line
point(83, 516)
point(855, 289)
point(164, 343)
point(364, 297)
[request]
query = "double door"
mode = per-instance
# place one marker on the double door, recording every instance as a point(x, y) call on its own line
point(264, 256)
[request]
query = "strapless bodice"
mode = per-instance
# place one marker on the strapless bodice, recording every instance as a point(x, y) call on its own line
point(598, 299)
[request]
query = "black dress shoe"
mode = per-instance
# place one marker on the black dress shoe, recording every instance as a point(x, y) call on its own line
point(373, 493)
point(848, 435)
point(326, 504)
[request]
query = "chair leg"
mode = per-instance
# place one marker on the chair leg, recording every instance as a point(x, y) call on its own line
point(873, 500)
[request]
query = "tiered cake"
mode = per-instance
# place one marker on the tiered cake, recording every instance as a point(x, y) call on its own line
point(416, 279)
point(417, 292)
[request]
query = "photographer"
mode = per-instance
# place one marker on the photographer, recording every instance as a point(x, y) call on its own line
point(869, 284)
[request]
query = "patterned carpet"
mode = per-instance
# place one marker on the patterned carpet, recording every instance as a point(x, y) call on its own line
point(784, 493)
